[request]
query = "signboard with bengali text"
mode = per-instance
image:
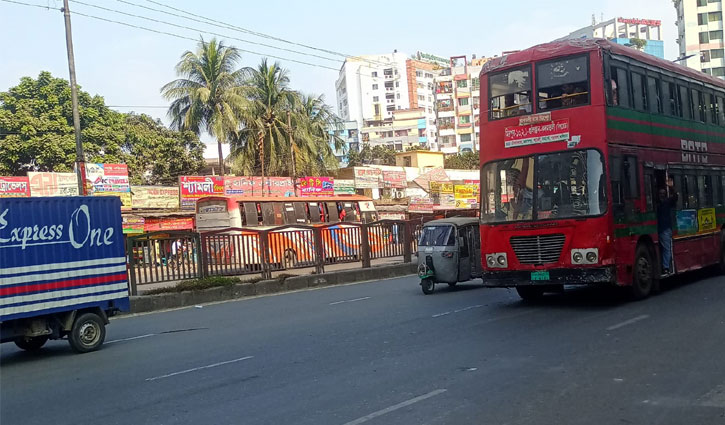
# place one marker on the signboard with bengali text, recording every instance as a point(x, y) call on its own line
point(344, 187)
point(394, 179)
point(532, 134)
point(107, 177)
point(316, 186)
point(156, 197)
point(53, 184)
point(252, 186)
point(367, 178)
point(14, 187)
point(192, 188)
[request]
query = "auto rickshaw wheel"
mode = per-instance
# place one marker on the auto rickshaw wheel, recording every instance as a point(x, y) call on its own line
point(427, 285)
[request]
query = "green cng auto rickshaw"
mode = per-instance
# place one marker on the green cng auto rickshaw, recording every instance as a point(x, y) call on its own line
point(449, 251)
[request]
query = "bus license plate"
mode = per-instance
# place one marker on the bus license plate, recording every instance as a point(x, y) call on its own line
point(540, 275)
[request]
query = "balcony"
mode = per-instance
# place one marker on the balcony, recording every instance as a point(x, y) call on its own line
point(446, 125)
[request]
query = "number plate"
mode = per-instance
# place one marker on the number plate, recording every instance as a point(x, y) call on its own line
point(540, 275)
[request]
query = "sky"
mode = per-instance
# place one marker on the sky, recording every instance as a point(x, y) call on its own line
point(128, 66)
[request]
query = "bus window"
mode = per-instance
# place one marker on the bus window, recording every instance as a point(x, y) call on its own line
point(698, 106)
point(716, 190)
point(721, 111)
point(648, 190)
point(690, 191)
point(562, 83)
point(300, 213)
point(620, 87)
point(685, 106)
point(267, 214)
point(630, 176)
point(639, 95)
point(654, 93)
point(510, 93)
point(615, 173)
point(315, 216)
point(250, 214)
point(675, 108)
point(289, 213)
point(713, 109)
point(332, 212)
point(705, 191)
point(680, 189)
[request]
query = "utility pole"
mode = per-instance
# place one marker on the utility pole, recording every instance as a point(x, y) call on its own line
point(80, 161)
point(260, 144)
point(293, 174)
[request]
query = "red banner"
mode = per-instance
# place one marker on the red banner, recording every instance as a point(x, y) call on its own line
point(14, 187)
point(395, 179)
point(524, 135)
point(252, 186)
point(168, 223)
point(192, 188)
point(316, 186)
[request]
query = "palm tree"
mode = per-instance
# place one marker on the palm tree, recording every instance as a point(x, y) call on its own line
point(269, 97)
point(315, 135)
point(207, 96)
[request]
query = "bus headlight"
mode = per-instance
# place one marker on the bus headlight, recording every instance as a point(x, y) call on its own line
point(585, 256)
point(498, 260)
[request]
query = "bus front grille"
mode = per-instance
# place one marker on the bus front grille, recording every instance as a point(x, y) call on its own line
point(540, 249)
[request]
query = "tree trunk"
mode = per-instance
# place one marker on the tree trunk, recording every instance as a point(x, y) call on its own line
point(260, 143)
point(221, 158)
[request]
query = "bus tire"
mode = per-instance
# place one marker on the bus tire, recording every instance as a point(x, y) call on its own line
point(530, 293)
point(31, 343)
point(87, 334)
point(643, 273)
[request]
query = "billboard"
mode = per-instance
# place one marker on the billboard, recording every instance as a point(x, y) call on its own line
point(107, 177)
point(252, 186)
point(192, 188)
point(367, 178)
point(394, 179)
point(14, 187)
point(316, 186)
point(158, 197)
point(53, 184)
point(344, 187)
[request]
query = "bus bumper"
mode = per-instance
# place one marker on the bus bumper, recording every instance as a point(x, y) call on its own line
point(510, 279)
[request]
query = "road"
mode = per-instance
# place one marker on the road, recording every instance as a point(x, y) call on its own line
point(383, 353)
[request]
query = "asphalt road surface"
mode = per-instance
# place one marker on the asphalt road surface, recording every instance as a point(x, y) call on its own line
point(384, 353)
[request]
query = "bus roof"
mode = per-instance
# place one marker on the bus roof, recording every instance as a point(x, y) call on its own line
point(571, 47)
point(291, 198)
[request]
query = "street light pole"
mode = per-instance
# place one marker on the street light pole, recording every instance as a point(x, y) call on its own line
point(80, 161)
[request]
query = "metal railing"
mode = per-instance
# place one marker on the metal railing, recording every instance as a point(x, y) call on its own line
point(173, 256)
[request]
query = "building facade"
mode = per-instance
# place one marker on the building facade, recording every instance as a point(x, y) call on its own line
point(349, 133)
point(371, 88)
point(623, 30)
point(458, 105)
point(406, 128)
point(700, 35)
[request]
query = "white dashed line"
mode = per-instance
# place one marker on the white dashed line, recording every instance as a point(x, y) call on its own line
point(350, 301)
point(395, 407)
point(199, 368)
point(457, 311)
point(628, 322)
point(129, 339)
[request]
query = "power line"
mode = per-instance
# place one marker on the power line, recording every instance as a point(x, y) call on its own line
point(248, 31)
point(29, 4)
point(200, 30)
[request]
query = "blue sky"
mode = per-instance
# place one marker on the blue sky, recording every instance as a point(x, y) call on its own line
point(127, 66)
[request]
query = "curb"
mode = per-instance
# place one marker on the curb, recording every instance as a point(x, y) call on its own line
point(149, 303)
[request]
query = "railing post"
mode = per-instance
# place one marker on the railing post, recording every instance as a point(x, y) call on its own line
point(264, 255)
point(131, 268)
point(365, 248)
point(197, 256)
point(319, 251)
point(407, 242)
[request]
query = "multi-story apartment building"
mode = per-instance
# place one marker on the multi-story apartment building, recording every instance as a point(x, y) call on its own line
point(622, 30)
point(350, 135)
point(373, 87)
point(406, 128)
point(458, 105)
point(700, 35)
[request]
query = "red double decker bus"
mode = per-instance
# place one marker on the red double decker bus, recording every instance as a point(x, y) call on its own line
point(579, 141)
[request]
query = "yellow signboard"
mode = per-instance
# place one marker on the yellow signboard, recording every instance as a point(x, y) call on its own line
point(706, 219)
point(465, 191)
point(125, 198)
point(442, 187)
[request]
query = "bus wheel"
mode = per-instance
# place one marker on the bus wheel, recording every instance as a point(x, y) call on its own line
point(644, 275)
point(530, 293)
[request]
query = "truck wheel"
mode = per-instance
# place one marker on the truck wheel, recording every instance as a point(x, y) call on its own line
point(428, 286)
point(644, 274)
point(530, 293)
point(87, 334)
point(31, 343)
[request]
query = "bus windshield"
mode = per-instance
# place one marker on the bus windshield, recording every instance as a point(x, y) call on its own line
point(564, 185)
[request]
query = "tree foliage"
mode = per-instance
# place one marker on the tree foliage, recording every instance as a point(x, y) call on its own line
point(208, 97)
point(463, 161)
point(637, 43)
point(36, 134)
point(379, 155)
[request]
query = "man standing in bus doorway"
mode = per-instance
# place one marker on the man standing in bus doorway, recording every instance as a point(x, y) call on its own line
point(667, 202)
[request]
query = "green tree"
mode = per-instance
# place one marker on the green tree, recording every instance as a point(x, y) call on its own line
point(36, 134)
point(637, 43)
point(463, 161)
point(208, 95)
point(314, 130)
point(378, 155)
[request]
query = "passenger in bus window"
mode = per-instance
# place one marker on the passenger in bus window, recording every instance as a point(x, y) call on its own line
point(615, 93)
point(667, 203)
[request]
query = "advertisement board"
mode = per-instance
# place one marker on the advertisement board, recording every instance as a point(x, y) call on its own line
point(107, 177)
point(124, 196)
point(316, 186)
point(367, 178)
point(14, 187)
point(53, 184)
point(252, 186)
point(420, 205)
point(155, 197)
point(344, 187)
point(394, 179)
point(192, 188)
point(168, 223)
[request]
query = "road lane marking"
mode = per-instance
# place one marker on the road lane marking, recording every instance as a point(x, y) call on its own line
point(350, 301)
point(393, 408)
point(129, 339)
point(194, 369)
point(628, 322)
point(457, 311)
